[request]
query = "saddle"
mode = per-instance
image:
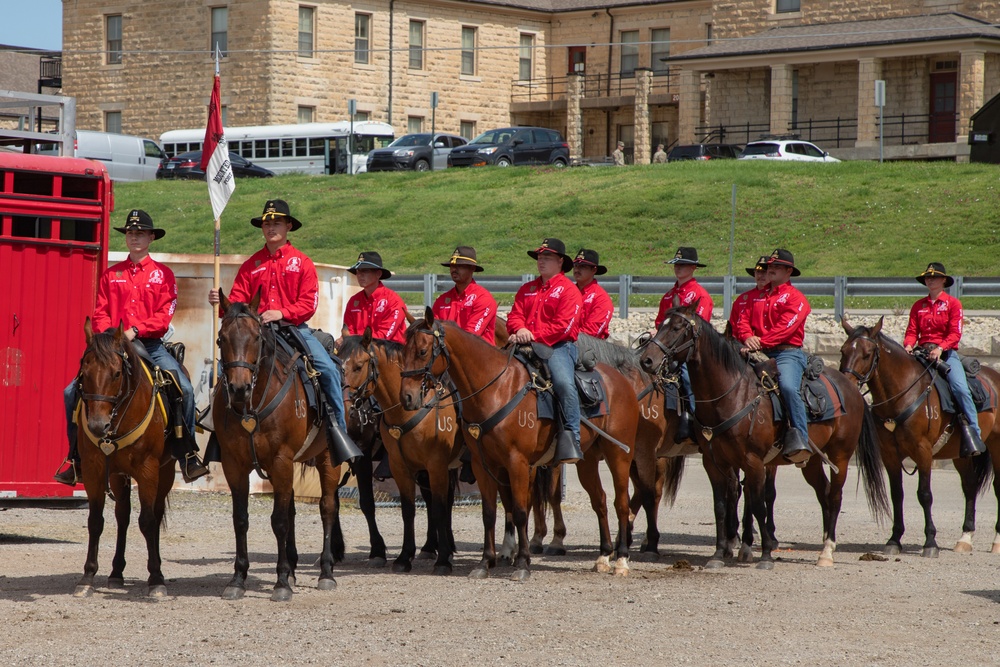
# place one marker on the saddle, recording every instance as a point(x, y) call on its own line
point(589, 384)
point(821, 397)
point(982, 396)
point(168, 384)
point(289, 338)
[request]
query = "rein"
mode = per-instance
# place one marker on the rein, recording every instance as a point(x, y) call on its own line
point(891, 422)
point(364, 391)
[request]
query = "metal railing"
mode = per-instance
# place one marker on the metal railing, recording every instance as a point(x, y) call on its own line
point(839, 287)
point(827, 131)
point(731, 134)
point(615, 84)
point(539, 90)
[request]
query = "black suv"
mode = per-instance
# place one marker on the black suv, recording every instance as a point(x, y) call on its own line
point(419, 152)
point(512, 146)
point(704, 152)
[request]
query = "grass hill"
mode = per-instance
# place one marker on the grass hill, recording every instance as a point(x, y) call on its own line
point(856, 219)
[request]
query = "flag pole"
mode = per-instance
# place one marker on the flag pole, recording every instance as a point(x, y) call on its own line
point(217, 281)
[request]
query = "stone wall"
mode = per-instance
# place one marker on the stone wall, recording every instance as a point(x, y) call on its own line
point(740, 96)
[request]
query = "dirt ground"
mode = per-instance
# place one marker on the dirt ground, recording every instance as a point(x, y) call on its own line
point(905, 610)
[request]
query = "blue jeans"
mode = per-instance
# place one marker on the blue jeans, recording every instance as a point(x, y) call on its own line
point(791, 366)
point(960, 388)
point(562, 366)
point(329, 379)
point(69, 398)
point(685, 388)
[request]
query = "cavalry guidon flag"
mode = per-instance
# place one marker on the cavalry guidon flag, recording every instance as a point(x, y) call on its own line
point(215, 154)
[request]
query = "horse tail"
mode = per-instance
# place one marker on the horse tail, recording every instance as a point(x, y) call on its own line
point(982, 471)
point(672, 479)
point(870, 465)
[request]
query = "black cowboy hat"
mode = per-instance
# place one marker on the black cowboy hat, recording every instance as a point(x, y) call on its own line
point(782, 257)
point(760, 266)
point(370, 260)
point(556, 247)
point(464, 255)
point(935, 269)
point(686, 256)
point(275, 208)
point(589, 257)
point(137, 219)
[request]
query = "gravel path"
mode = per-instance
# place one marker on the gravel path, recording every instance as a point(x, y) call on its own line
point(903, 611)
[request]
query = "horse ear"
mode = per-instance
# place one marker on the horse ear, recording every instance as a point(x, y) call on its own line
point(255, 301)
point(223, 301)
point(366, 338)
point(676, 302)
point(120, 331)
point(428, 315)
point(848, 329)
point(88, 330)
point(878, 327)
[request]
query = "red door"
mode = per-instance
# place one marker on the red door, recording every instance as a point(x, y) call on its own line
point(941, 124)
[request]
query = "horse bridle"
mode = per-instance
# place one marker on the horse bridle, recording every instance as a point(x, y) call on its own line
point(116, 401)
point(428, 379)
point(253, 368)
point(864, 378)
point(671, 350)
point(360, 396)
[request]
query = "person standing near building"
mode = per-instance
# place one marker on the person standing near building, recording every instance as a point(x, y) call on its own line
point(376, 305)
point(468, 304)
point(660, 156)
point(618, 155)
point(597, 309)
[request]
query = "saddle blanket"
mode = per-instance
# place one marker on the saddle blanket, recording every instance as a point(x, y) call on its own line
point(984, 398)
point(546, 400)
point(822, 398)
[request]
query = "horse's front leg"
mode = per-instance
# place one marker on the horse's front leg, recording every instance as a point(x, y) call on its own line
point(122, 492)
point(366, 501)
point(440, 510)
point(967, 473)
point(519, 500)
point(753, 488)
point(239, 488)
point(281, 521)
point(429, 549)
point(590, 479)
point(724, 506)
point(894, 468)
point(93, 481)
point(488, 493)
point(539, 482)
point(149, 525)
point(329, 512)
point(408, 509)
point(619, 463)
point(649, 473)
point(926, 499)
point(829, 493)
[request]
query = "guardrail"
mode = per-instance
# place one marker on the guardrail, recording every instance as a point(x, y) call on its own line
point(838, 287)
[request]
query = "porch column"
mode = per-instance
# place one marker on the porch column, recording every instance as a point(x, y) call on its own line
point(869, 71)
point(781, 98)
point(574, 117)
point(643, 82)
point(971, 85)
point(689, 106)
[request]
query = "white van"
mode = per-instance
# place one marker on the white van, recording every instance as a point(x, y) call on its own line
point(126, 158)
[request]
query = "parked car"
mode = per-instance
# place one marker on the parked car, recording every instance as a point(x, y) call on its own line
point(187, 165)
point(127, 158)
point(419, 152)
point(704, 152)
point(512, 146)
point(784, 149)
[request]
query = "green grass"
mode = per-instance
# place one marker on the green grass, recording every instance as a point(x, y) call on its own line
point(855, 219)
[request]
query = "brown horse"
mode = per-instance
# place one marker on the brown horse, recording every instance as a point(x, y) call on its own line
point(502, 456)
point(263, 424)
point(738, 430)
point(121, 422)
point(908, 408)
point(415, 440)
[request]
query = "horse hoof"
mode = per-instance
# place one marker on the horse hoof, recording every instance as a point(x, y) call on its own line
point(158, 592)
point(646, 557)
point(603, 565)
point(426, 555)
point(400, 567)
point(765, 565)
point(326, 585)
point(715, 564)
point(376, 561)
point(995, 549)
point(930, 552)
point(116, 583)
point(442, 570)
point(963, 548)
point(281, 594)
point(891, 550)
point(233, 593)
point(479, 573)
point(520, 575)
point(536, 549)
point(621, 568)
point(746, 554)
point(291, 581)
point(84, 591)
point(555, 551)
point(824, 562)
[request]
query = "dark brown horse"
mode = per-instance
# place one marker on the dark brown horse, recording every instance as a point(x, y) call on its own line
point(502, 456)
point(907, 408)
point(263, 424)
point(415, 440)
point(121, 422)
point(738, 430)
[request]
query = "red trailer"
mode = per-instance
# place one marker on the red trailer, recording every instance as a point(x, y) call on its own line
point(54, 219)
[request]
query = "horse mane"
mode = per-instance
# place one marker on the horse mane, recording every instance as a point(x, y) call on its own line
point(393, 350)
point(726, 350)
point(624, 359)
point(240, 309)
point(104, 347)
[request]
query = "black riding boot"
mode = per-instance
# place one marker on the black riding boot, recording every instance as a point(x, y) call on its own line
point(684, 431)
point(70, 475)
point(342, 448)
point(567, 448)
point(796, 449)
point(972, 444)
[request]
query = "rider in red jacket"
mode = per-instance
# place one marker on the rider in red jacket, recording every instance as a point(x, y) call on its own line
point(376, 305)
point(597, 310)
point(468, 304)
point(745, 301)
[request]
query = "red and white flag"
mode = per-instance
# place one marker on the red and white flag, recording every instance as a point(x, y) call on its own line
point(215, 154)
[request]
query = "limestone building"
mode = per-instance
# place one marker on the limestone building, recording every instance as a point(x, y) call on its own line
point(645, 72)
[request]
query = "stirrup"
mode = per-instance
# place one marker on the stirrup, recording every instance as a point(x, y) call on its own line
point(69, 476)
point(192, 468)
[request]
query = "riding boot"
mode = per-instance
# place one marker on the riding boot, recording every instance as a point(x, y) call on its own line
point(185, 450)
point(70, 475)
point(466, 474)
point(342, 448)
point(972, 444)
point(382, 471)
point(567, 448)
point(684, 431)
point(796, 449)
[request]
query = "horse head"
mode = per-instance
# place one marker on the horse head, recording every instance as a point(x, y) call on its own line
point(360, 369)
point(425, 360)
point(105, 380)
point(241, 346)
point(859, 355)
point(673, 343)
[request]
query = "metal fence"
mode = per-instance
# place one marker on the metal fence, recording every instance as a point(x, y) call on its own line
point(839, 287)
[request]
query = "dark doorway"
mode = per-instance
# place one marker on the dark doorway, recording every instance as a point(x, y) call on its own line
point(941, 124)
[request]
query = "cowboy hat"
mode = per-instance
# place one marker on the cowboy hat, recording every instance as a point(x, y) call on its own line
point(139, 220)
point(275, 209)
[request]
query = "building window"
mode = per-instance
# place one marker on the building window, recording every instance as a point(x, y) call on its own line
point(795, 99)
point(414, 124)
point(113, 28)
point(224, 110)
point(782, 6)
point(659, 49)
point(468, 51)
point(524, 67)
point(416, 44)
point(306, 39)
point(306, 114)
point(220, 29)
point(630, 52)
point(113, 122)
point(708, 34)
point(467, 128)
point(361, 116)
point(362, 38)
